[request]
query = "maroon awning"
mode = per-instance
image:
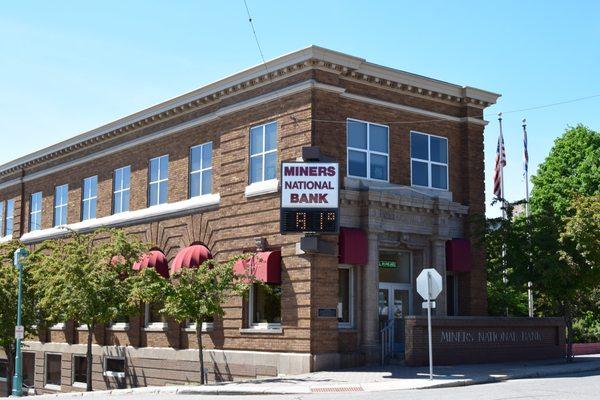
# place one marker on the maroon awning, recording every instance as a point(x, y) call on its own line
point(265, 266)
point(353, 246)
point(458, 255)
point(190, 257)
point(154, 259)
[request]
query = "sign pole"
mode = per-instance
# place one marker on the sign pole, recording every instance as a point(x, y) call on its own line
point(429, 327)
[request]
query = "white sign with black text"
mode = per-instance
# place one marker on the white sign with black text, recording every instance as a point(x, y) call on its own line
point(309, 185)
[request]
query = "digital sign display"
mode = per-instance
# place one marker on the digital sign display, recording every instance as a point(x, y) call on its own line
point(309, 197)
point(309, 220)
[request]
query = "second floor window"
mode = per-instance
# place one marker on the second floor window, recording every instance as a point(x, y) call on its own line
point(121, 187)
point(89, 198)
point(8, 222)
point(263, 152)
point(35, 213)
point(429, 160)
point(158, 190)
point(201, 169)
point(367, 150)
point(61, 204)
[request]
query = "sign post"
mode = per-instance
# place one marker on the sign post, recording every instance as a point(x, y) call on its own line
point(17, 389)
point(429, 286)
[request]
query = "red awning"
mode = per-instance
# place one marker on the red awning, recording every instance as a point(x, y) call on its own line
point(190, 257)
point(154, 259)
point(265, 266)
point(353, 246)
point(458, 255)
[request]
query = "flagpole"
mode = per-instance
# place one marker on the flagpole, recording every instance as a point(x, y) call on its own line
point(526, 171)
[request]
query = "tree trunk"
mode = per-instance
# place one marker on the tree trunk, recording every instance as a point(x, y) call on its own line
point(200, 348)
point(10, 370)
point(88, 358)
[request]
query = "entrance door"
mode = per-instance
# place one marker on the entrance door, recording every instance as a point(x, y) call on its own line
point(395, 302)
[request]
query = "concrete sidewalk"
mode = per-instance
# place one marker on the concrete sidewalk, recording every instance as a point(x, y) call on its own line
point(372, 379)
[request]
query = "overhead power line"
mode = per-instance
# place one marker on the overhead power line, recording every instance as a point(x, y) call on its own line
point(256, 37)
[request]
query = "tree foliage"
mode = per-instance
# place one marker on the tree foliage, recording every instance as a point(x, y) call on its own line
point(85, 278)
point(9, 276)
point(193, 295)
point(556, 247)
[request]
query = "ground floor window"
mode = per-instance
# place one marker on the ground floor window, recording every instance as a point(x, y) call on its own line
point(114, 366)
point(3, 370)
point(345, 296)
point(451, 294)
point(53, 367)
point(80, 369)
point(28, 369)
point(153, 318)
point(265, 305)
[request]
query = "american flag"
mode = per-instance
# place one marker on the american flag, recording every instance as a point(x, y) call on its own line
point(525, 154)
point(500, 163)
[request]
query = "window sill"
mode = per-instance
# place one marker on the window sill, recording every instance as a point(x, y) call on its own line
point(260, 188)
point(113, 374)
point(82, 328)
point(119, 327)
point(5, 239)
point(263, 329)
point(156, 327)
point(79, 385)
point(146, 214)
point(58, 327)
point(206, 327)
point(52, 387)
point(346, 327)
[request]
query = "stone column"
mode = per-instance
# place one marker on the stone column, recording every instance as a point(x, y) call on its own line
point(369, 306)
point(438, 261)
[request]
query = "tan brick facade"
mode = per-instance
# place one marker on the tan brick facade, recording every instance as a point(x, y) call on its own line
point(310, 96)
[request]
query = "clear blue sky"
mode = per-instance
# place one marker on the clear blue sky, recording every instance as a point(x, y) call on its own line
point(68, 66)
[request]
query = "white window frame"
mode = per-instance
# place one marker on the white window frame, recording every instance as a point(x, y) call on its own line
point(367, 151)
point(62, 208)
point(265, 326)
point(121, 189)
point(34, 213)
point(201, 170)
point(87, 197)
point(51, 386)
point(75, 383)
point(159, 181)
point(263, 153)
point(5, 379)
point(429, 162)
point(114, 374)
point(152, 326)
point(9, 216)
point(349, 325)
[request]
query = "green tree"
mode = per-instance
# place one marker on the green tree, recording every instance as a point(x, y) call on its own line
point(8, 304)
point(85, 278)
point(195, 295)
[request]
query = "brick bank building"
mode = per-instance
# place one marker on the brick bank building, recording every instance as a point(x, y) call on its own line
point(201, 173)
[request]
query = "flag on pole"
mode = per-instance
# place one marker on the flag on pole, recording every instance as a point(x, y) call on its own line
point(500, 163)
point(525, 153)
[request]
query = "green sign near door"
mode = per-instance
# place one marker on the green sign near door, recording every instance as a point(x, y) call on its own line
point(387, 264)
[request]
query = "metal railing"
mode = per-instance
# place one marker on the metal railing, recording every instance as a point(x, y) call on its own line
point(387, 341)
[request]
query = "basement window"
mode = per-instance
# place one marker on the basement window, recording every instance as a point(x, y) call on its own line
point(79, 370)
point(114, 367)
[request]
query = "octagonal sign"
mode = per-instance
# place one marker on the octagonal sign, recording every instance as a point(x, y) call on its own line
point(429, 284)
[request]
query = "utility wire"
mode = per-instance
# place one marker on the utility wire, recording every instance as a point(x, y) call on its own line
point(256, 37)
